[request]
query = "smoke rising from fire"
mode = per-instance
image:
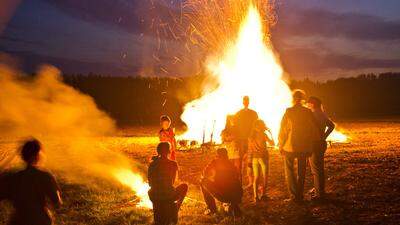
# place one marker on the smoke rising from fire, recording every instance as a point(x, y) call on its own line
point(73, 130)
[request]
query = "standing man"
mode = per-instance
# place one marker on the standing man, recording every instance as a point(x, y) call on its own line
point(244, 121)
point(325, 126)
point(298, 133)
point(166, 199)
point(30, 189)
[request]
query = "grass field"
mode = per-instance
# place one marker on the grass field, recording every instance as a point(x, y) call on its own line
point(362, 181)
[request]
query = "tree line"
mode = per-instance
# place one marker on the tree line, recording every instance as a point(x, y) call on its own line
point(141, 100)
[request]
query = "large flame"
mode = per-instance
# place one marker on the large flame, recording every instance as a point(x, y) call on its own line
point(248, 67)
point(136, 183)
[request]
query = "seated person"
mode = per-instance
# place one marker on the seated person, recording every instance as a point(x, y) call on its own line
point(161, 175)
point(221, 181)
point(29, 189)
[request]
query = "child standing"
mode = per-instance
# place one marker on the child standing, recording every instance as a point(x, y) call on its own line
point(260, 157)
point(167, 134)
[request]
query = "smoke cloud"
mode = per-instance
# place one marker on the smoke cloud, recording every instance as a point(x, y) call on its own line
point(74, 132)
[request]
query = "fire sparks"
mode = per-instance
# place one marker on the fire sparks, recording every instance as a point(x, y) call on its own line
point(247, 67)
point(136, 183)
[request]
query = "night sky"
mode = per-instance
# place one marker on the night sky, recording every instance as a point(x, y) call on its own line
point(319, 39)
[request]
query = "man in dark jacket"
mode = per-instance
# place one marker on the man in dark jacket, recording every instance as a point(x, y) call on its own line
point(29, 189)
point(166, 199)
point(298, 133)
point(221, 182)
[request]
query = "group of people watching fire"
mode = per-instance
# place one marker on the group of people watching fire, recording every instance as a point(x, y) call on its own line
point(246, 141)
point(303, 133)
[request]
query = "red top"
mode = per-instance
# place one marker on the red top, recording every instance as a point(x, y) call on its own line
point(168, 135)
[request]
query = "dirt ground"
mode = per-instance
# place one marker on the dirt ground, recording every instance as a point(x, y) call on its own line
point(362, 181)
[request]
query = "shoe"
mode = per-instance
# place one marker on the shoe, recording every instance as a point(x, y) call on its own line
point(255, 200)
point(209, 212)
point(248, 186)
point(265, 198)
point(226, 207)
point(318, 198)
point(294, 200)
point(234, 211)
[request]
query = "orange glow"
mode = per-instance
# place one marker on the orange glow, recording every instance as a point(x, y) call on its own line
point(247, 67)
point(136, 183)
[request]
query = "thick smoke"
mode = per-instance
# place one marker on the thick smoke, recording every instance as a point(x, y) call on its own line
point(72, 129)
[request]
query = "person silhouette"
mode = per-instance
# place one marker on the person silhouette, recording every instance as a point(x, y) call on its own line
point(298, 133)
point(221, 181)
point(166, 199)
point(326, 127)
point(29, 189)
point(244, 121)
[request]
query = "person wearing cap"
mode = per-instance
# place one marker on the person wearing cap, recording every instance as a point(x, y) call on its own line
point(30, 189)
point(161, 175)
point(326, 126)
point(221, 181)
point(298, 132)
point(244, 120)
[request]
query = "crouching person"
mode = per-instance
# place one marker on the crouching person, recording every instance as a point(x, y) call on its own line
point(165, 198)
point(221, 181)
point(30, 189)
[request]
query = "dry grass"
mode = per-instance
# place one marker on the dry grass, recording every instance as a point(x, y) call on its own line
point(363, 182)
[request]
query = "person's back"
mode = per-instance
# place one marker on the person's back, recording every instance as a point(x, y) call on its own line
point(226, 176)
point(301, 129)
point(221, 181)
point(323, 121)
point(258, 144)
point(29, 189)
point(166, 199)
point(161, 175)
point(244, 121)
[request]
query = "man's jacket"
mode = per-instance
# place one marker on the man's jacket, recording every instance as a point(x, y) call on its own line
point(299, 130)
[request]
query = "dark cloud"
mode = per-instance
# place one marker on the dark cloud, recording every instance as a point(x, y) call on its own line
point(310, 61)
point(139, 16)
point(30, 62)
point(319, 22)
point(18, 40)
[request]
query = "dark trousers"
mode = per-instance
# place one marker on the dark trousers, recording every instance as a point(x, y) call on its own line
point(211, 192)
point(295, 181)
point(317, 168)
point(242, 146)
point(166, 211)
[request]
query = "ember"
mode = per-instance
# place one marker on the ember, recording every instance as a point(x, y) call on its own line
point(247, 67)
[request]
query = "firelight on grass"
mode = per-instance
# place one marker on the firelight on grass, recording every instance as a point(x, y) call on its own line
point(136, 183)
